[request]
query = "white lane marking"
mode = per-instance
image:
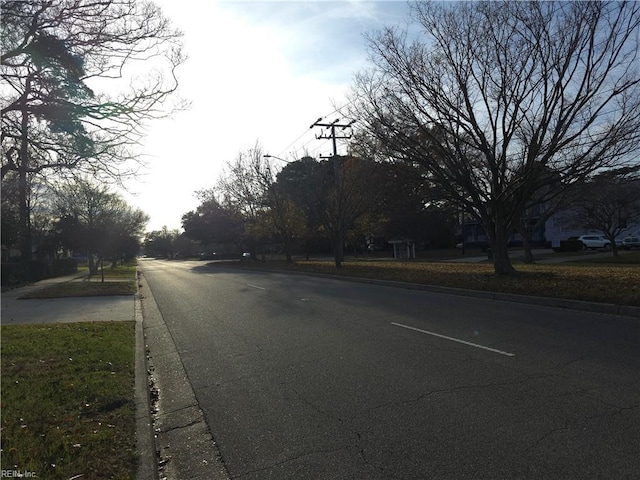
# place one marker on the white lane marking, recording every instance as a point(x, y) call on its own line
point(454, 339)
point(255, 286)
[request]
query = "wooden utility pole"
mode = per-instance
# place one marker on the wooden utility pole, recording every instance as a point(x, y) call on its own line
point(333, 137)
point(338, 226)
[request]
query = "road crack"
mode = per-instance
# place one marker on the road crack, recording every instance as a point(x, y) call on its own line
point(343, 423)
point(288, 460)
point(178, 427)
point(548, 434)
point(569, 423)
point(425, 395)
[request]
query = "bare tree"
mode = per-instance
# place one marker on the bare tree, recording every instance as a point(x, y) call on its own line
point(552, 197)
point(58, 59)
point(243, 186)
point(245, 181)
point(488, 97)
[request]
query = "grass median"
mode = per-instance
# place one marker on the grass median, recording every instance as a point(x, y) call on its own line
point(613, 280)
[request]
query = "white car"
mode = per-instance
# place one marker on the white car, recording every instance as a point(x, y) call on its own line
point(594, 241)
point(631, 242)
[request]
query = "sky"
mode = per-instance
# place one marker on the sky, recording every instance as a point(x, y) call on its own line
point(257, 73)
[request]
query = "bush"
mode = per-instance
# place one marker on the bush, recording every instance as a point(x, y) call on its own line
point(11, 273)
point(16, 273)
point(20, 272)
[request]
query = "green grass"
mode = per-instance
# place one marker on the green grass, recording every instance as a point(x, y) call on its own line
point(603, 280)
point(68, 407)
point(83, 289)
point(121, 271)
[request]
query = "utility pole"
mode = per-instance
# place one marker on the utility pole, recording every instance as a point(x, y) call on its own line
point(332, 136)
point(337, 226)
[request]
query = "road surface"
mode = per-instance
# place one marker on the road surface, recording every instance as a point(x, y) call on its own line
point(302, 377)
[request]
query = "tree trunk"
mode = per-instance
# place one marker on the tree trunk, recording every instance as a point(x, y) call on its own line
point(288, 247)
point(23, 186)
point(338, 249)
point(526, 244)
point(25, 224)
point(501, 261)
point(499, 241)
point(93, 267)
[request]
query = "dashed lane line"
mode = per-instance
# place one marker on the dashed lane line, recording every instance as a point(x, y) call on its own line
point(426, 332)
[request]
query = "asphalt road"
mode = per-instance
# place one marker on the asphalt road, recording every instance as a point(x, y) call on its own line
point(301, 377)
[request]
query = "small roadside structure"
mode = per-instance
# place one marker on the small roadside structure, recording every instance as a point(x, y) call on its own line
point(403, 248)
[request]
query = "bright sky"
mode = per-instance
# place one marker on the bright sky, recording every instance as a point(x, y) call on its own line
point(257, 72)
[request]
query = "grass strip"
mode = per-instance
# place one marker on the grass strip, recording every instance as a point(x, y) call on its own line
point(68, 407)
point(83, 289)
point(601, 281)
point(120, 271)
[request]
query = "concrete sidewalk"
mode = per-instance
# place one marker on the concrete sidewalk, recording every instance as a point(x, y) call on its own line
point(63, 310)
point(93, 309)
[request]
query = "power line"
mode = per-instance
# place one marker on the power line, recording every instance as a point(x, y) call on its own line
point(337, 110)
point(292, 143)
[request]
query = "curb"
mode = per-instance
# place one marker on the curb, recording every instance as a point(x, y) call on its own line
point(145, 445)
point(180, 445)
